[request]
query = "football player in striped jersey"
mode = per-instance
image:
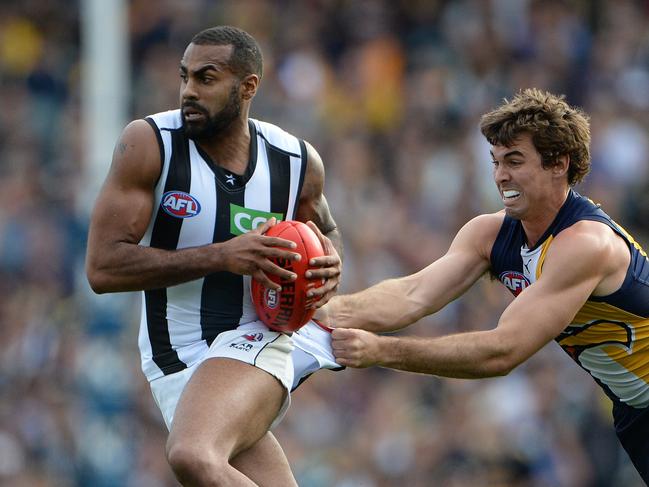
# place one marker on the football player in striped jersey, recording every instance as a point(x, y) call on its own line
point(181, 217)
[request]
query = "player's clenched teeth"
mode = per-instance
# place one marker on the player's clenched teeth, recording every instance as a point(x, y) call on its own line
point(510, 193)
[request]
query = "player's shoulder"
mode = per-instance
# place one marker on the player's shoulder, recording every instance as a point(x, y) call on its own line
point(166, 120)
point(479, 234)
point(147, 129)
point(592, 237)
point(286, 142)
point(266, 128)
point(587, 248)
point(138, 154)
point(279, 138)
point(485, 226)
point(138, 134)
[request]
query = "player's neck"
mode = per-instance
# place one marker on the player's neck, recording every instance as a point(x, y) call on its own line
point(231, 148)
point(534, 229)
point(536, 225)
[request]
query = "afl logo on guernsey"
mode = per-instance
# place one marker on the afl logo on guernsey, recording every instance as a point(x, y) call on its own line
point(514, 281)
point(180, 205)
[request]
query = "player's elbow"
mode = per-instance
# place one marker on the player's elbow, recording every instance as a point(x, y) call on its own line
point(505, 356)
point(99, 279)
point(500, 366)
point(98, 282)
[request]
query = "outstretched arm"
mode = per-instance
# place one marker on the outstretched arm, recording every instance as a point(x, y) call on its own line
point(396, 303)
point(576, 264)
point(115, 262)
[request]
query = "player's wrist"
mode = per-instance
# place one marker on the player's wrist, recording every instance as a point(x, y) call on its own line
point(383, 348)
point(217, 257)
point(340, 313)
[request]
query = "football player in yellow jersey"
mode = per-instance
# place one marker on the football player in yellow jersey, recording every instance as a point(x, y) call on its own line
point(578, 277)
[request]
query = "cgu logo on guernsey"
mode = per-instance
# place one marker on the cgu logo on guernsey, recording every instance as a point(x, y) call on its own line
point(242, 220)
point(514, 281)
point(180, 204)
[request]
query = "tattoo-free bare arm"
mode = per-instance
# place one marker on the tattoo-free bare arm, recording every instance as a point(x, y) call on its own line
point(396, 303)
point(574, 267)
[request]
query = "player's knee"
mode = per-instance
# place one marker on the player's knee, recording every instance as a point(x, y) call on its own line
point(196, 465)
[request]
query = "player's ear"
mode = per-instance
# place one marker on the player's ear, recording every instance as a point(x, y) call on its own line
point(249, 85)
point(562, 165)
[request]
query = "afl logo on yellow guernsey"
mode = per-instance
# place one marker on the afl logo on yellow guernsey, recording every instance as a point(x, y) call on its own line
point(514, 281)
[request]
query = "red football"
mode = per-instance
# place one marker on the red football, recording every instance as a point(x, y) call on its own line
point(286, 310)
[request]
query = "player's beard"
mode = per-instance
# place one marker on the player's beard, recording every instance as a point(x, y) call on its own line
point(218, 123)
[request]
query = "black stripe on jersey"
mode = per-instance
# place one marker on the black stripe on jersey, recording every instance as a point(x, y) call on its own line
point(252, 159)
point(222, 294)
point(279, 164)
point(166, 229)
point(165, 234)
point(161, 146)
point(302, 174)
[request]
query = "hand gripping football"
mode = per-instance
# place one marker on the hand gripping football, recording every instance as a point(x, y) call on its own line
point(286, 311)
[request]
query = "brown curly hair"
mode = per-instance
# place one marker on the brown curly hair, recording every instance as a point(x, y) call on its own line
point(556, 128)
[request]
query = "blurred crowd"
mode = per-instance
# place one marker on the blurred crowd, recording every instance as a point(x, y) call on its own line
point(390, 93)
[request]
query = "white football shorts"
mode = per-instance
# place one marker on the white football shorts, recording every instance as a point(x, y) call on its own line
point(312, 352)
point(288, 358)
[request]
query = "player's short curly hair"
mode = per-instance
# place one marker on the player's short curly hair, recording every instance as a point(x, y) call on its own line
point(246, 55)
point(556, 128)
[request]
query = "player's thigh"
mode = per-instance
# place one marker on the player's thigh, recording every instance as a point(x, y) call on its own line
point(226, 407)
point(265, 463)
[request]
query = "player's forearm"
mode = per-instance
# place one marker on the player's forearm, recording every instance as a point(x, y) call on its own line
point(464, 356)
point(131, 267)
point(388, 306)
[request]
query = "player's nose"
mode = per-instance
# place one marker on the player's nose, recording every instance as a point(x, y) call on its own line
point(188, 91)
point(501, 174)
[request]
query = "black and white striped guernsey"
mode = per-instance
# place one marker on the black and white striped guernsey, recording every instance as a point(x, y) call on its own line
point(197, 202)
